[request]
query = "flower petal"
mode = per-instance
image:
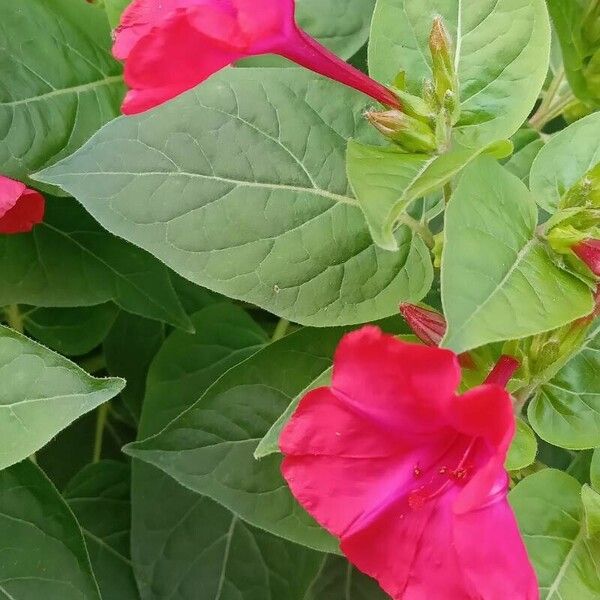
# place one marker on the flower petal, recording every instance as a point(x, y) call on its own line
point(150, 69)
point(410, 552)
point(10, 192)
point(20, 207)
point(485, 411)
point(492, 554)
point(405, 386)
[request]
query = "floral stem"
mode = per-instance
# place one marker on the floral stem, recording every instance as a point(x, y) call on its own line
point(307, 52)
point(419, 228)
point(503, 371)
point(102, 414)
point(280, 329)
point(14, 318)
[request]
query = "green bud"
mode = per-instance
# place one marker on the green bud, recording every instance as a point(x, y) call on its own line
point(409, 133)
point(414, 106)
point(563, 237)
point(444, 77)
point(429, 96)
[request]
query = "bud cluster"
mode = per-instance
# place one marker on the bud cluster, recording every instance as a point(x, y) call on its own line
point(424, 124)
point(574, 231)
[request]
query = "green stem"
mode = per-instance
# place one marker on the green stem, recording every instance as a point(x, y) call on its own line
point(419, 228)
point(280, 329)
point(102, 414)
point(14, 318)
point(521, 397)
point(552, 106)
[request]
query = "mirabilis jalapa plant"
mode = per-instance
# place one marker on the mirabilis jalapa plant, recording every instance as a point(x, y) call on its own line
point(429, 236)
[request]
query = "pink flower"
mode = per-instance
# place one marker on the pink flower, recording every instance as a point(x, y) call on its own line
point(170, 46)
point(408, 474)
point(20, 207)
point(589, 252)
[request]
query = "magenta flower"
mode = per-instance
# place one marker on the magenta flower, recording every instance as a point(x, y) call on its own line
point(20, 207)
point(170, 46)
point(408, 474)
point(589, 252)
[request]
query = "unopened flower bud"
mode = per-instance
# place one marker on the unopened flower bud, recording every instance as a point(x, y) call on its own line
point(414, 106)
point(428, 325)
point(589, 252)
point(409, 133)
point(443, 63)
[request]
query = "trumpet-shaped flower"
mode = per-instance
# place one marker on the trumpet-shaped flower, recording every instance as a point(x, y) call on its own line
point(408, 474)
point(170, 46)
point(20, 207)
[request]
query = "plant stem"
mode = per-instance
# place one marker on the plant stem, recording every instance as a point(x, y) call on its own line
point(280, 329)
point(553, 104)
point(102, 414)
point(419, 228)
point(521, 397)
point(14, 318)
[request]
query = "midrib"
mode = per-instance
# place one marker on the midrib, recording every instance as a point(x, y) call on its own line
point(78, 89)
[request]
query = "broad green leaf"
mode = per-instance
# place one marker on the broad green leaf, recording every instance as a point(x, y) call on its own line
point(341, 25)
point(523, 448)
point(564, 160)
point(549, 510)
point(568, 18)
point(270, 442)
point(386, 182)
point(41, 394)
point(129, 349)
point(224, 558)
point(498, 280)
point(521, 161)
point(264, 211)
point(566, 410)
point(210, 447)
point(60, 82)
point(70, 331)
point(500, 77)
point(591, 511)
point(43, 552)
point(99, 498)
point(338, 579)
point(69, 261)
point(114, 10)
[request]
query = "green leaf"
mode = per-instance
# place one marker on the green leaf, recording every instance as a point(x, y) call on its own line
point(566, 410)
point(549, 511)
point(386, 181)
point(591, 511)
point(225, 558)
point(341, 25)
point(521, 161)
point(568, 18)
point(210, 447)
point(61, 82)
point(71, 331)
point(270, 442)
point(338, 579)
point(523, 449)
point(500, 77)
point(129, 349)
point(264, 211)
point(564, 160)
point(42, 393)
point(99, 497)
point(68, 261)
point(498, 280)
point(43, 552)
point(114, 10)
